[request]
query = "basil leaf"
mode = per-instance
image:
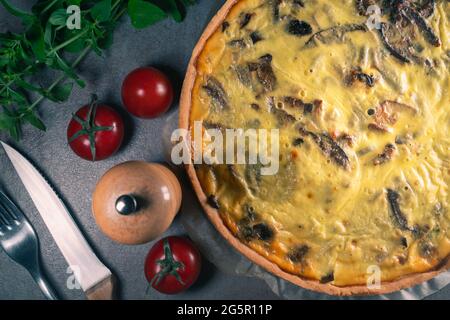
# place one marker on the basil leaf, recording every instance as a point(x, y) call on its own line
point(62, 65)
point(61, 93)
point(34, 121)
point(77, 45)
point(17, 97)
point(171, 8)
point(44, 6)
point(144, 14)
point(27, 86)
point(3, 61)
point(75, 2)
point(6, 122)
point(105, 42)
point(105, 36)
point(48, 34)
point(96, 48)
point(58, 17)
point(46, 40)
point(14, 131)
point(35, 35)
point(101, 11)
point(9, 123)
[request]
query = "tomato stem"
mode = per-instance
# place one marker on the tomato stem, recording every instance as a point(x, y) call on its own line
point(169, 266)
point(88, 126)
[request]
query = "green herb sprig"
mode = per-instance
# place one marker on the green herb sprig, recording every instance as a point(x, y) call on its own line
point(46, 43)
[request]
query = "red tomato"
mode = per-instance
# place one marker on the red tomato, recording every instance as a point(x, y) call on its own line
point(147, 93)
point(96, 131)
point(172, 265)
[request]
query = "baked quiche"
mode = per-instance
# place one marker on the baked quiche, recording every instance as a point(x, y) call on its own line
point(359, 91)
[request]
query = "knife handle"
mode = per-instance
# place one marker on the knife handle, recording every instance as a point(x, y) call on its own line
point(104, 290)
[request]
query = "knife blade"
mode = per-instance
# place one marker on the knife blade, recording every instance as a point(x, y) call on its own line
point(94, 277)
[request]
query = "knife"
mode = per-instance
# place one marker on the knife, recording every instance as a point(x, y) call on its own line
point(94, 277)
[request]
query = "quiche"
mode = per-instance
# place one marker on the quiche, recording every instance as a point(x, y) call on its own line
point(359, 91)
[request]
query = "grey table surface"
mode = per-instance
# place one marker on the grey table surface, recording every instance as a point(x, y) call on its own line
point(167, 46)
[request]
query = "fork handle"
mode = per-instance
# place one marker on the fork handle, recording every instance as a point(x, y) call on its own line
point(45, 287)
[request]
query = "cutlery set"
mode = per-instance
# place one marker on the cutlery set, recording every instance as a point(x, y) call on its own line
point(19, 240)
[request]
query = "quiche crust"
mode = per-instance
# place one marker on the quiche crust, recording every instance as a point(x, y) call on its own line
point(273, 257)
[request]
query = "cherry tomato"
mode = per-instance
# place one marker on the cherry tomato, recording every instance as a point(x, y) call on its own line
point(95, 131)
point(172, 265)
point(147, 93)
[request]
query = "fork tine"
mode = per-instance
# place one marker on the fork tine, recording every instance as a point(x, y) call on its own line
point(9, 206)
point(3, 220)
point(5, 214)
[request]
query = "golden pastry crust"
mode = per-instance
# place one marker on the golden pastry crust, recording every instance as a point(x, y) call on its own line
point(393, 132)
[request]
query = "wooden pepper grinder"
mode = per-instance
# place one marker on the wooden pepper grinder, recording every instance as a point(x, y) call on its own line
point(135, 202)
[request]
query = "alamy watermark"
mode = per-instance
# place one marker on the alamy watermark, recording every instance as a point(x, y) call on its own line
point(73, 17)
point(74, 277)
point(227, 146)
point(374, 20)
point(373, 277)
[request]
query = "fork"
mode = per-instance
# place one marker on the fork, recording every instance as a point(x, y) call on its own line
point(19, 241)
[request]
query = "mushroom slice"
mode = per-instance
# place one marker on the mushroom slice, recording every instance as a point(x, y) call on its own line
point(334, 34)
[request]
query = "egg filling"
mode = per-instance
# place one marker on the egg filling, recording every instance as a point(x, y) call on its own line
point(361, 99)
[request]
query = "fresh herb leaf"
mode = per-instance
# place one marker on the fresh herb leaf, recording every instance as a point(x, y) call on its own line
point(174, 11)
point(75, 46)
point(34, 121)
point(27, 86)
point(45, 42)
point(43, 7)
point(105, 42)
point(60, 93)
point(36, 37)
point(5, 121)
point(63, 66)
point(14, 131)
point(144, 14)
point(101, 12)
point(74, 2)
point(49, 34)
point(171, 8)
point(58, 17)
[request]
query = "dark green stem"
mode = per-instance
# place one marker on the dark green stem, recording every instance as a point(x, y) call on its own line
point(57, 81)
point(66, 43)
point(75, 63)
point(169, 266)
point(88, 126)
point(49, 6)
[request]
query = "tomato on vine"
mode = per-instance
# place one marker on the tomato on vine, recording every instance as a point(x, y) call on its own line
point(95, 131)
point(172, 265)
